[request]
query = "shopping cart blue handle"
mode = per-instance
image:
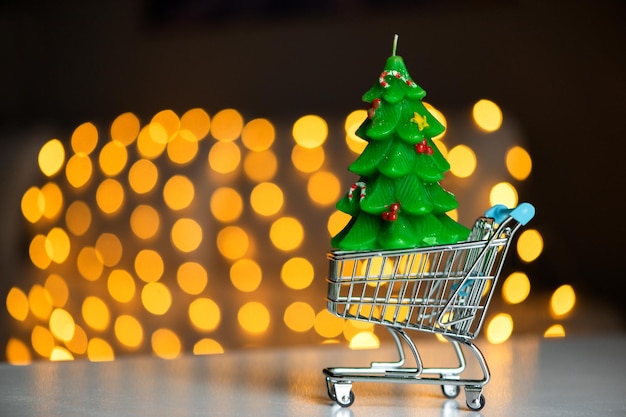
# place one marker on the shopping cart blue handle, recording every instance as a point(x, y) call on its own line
point(523, 213)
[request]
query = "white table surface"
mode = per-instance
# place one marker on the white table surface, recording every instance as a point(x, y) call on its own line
point(531, 376)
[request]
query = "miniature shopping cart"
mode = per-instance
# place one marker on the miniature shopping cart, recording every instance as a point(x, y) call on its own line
point(440, 289)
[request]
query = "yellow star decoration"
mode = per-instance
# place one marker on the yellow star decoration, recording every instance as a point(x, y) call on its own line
point(420, 120)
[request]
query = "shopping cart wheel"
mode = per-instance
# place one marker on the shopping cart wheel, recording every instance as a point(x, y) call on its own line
point(345, 401)
point(477, 403)
point(450, 391)
point(343, 394)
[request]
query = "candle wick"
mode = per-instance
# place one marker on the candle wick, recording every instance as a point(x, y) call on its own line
point(395, 44)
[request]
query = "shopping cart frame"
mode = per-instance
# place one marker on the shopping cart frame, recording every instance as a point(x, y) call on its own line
point(443, 289)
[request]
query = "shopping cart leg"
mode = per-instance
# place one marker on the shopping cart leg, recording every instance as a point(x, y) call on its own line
point(398, 336)
point(396, 368)
point(474, 397)
point(453, 390)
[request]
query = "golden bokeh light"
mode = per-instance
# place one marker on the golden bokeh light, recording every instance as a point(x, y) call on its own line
point(156, 298)
point(499, 328)
point(178, 192)
point(113, 158)
point(503, 193)
point(562, 301)
point(143, 175)
point(149, 265)
point(159, 136)
point(232, 242)
point(110, 248)
point(337, 221)
point(89, 263)
point(186, 235)
point(78, 170)
point(286, 233)
point(254, 317)
point(227, 125)
point(297, 273)
point(42, 341)
point(310, 131)
point(166, 344)
point(260, 166)
point(518, 163)
point(441, 118)
point(96, 313)
point(258, 135)
point(37, 252)
point(554, 331)
point(58, 290)
point(59, 354)
point(164, 125)
point(121, 285)
point(99, 350)
point(128, 331)
point(192, 277)
point(299, 316)
point(197, 121)
point(125, 128)
point(226, 204)
point(62, 325)
point(182, 148)
point(364, 340)
point(246, 275)
point(110, 196)
point(33, 204)
point(51, 157)
point(40, 302)
point(149, 147)
point(307, 160)
point(352, 123)
point(79, 342)
point(204, 314)
point(84, 139)
point(516, 288)
point(17, 304)
point(328, 325)
point(442, 148)
point(462, 161)
point(206, 346)
point(53, 200)
point(224, 157)
point(145, 221)
point(324, 188)
point(487, 115)
point(266, 199)
point(529, 245)
point(78, 217)
point(57, 245)
point(138, 228)
point(17, 352)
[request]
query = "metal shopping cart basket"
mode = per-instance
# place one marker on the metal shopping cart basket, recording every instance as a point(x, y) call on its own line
point(440, 289)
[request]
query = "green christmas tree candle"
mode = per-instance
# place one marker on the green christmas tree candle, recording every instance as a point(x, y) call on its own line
point(398, 201)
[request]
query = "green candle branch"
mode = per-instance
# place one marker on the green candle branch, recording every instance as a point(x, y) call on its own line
point(400, 203)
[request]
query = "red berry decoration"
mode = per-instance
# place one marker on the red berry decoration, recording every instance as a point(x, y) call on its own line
point(392, 214)
point(423, 148)
point(371, 110)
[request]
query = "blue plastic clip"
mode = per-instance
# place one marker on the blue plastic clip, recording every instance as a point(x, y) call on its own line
point(523, 213)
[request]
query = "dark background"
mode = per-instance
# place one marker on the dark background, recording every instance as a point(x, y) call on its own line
point(558, 66)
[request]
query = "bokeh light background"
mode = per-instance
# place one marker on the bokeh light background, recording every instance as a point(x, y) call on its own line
point(197, 232)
